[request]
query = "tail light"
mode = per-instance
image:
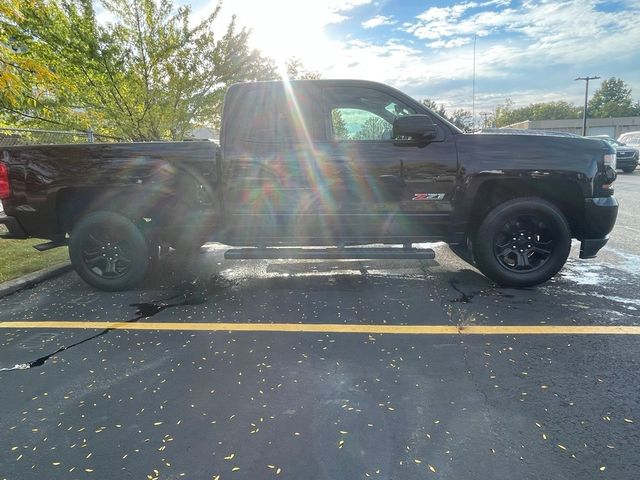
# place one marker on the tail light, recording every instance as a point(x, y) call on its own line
point(5, 188)
point(610, 160)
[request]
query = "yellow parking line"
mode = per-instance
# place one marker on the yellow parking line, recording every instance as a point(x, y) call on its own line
point(341, 328)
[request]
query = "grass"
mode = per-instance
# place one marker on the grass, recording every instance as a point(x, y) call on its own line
point(18, 257)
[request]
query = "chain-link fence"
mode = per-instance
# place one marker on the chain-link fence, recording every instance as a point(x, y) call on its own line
point(30, 136)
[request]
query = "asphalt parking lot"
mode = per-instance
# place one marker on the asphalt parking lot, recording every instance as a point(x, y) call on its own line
point(330, 370)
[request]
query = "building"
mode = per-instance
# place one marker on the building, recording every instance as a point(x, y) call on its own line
point(204, 133)
point(614, 127)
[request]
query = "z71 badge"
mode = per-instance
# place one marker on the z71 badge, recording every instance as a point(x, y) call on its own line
point(428, 196)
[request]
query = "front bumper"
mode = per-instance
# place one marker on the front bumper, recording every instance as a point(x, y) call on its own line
point(599, 218)
point(15, 229)
point(627, 161)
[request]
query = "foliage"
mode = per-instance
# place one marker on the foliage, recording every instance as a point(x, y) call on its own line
point(151, 73)
point(374, 128)
point(460, 117)
point(25, 80)
point(434, 107)
point(613, 99)
point(297, 71)
point(560, 110)
point(340, 131)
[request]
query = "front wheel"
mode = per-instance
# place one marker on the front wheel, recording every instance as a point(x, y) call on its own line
point(628, 169)
point(108, 251)
point(522, 242)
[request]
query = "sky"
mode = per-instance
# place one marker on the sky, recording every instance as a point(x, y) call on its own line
point(528, 51)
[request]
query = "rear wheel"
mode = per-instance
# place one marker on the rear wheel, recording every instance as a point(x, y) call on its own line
point(522, 242)
point(108, 251)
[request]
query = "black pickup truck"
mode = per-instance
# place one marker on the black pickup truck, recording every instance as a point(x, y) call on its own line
point(333, 163)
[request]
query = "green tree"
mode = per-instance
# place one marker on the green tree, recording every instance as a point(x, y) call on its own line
point(25, 79)
point(434, 107)
point(613, 99)
point(151, 73)
point(507, 114)
point(340, 131)
point(461, 118)
point(373, 128)
point(297, 71)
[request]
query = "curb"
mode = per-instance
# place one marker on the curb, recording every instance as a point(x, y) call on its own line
point(31, 279)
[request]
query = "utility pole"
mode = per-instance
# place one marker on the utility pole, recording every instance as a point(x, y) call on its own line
point(586, 96)
point(473, 95)
point(485, 116)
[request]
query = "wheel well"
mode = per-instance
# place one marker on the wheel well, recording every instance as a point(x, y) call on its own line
point(564, 195)
point(74, 203)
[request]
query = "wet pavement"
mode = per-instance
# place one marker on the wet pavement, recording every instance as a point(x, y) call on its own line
point(182, 403)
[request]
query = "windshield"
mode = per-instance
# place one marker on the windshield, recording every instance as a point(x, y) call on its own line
point(630, 139)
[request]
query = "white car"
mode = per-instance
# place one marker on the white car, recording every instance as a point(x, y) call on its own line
point(631, 138)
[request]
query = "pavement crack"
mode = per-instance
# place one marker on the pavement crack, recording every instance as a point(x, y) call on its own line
point(193, 292)
point(464, 297)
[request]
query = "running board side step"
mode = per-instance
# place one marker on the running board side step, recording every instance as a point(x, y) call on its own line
point(43, 247)
point(329, 253)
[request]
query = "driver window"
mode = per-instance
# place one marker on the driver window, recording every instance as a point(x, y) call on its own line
point(356, 124)
point(361, 114)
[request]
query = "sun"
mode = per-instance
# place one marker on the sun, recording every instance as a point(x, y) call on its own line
point(283, 29)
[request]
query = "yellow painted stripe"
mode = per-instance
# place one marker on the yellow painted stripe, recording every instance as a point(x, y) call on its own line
point(341, 328)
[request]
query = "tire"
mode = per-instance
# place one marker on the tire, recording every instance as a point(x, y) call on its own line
point(108, 251)
point(628, 169)
point(542, 245)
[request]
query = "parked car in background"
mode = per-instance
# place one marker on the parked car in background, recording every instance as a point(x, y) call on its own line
point(631, 139)
point(626, 156)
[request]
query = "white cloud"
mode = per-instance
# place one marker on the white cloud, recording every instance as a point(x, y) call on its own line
point(518, 50)
point(456, 42)
point(377, 21)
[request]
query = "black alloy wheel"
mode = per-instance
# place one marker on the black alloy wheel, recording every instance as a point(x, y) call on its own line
point(108, 251)
point(522, 242)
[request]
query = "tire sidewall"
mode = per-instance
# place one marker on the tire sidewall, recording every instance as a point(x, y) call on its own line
point(483, 243)
point(136, 239)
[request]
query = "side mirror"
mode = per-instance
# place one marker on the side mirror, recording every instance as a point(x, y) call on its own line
point(420, 128)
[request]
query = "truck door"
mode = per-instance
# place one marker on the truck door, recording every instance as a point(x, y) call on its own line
point(269, 171)
point(380, 189)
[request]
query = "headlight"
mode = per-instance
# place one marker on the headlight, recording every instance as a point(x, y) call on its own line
point(610, 160)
